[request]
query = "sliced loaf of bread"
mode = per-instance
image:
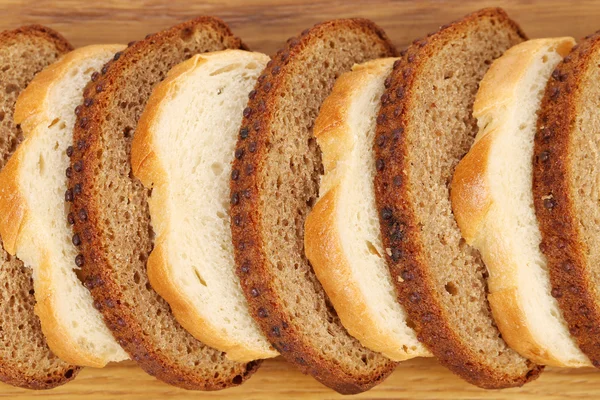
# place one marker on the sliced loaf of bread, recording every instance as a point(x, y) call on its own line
point(33, 228)
point(274, 184)
point(425, 126)
point(492, 201)
point(110, 210)
point(182, 149)
point(342, 237)
point(566, 190)
point(25, 358)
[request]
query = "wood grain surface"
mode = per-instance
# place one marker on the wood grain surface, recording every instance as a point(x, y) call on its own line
point(264, 25)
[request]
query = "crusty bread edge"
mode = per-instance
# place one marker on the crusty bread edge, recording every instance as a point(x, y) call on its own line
point(472, 200)
point(561, 241)
point(15, 376)
point(252, 265)
point(322, 238)
point(96, 269)
point(400, 231)
point(147, 167)
point(31, 114)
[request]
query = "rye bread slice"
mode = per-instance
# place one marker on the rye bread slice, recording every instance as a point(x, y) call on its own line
point(111, 216)
point(424, 127)
point(25, 359)
point(566, 193)
point(275, 182)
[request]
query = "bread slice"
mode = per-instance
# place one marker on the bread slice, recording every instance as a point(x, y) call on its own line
point(342, 238)
point(493, 203)
point(25, 359)
point(185, 157)
point(275, 182)
point(111, 216)
point(565, 190)
point(33, 227)
point(426, 126)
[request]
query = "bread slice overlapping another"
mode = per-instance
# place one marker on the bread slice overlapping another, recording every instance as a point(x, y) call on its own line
point(342, 238)
point(566, 190)
point(492, 200)
point(425, 126)
point(110, 210)
point(33, 203)
point(182, 149)
point(274, 184)
point(25, 358)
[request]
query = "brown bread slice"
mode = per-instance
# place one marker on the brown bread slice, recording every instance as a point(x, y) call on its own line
point(275, 182)
point(25, 359)
point(424, 127)
point(111, 216)
point(566, 193)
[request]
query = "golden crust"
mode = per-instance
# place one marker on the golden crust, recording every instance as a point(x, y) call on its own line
point(9, 373)
point(472, 199)
point(552, 196)
point(251, 261)
point(13, 208)
point(147, 167)
point(97, 271)
point(470, 195)
point(31, 112)
point(400, 231)
point(322, 238)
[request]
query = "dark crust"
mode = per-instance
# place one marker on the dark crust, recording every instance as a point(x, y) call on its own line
point(62, 45)
point(400, 231)
point(8, 373)
point(252, 265)
point(554, 206)
point(96, 271)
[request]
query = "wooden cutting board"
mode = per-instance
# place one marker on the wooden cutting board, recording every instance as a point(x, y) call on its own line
point(264, 26)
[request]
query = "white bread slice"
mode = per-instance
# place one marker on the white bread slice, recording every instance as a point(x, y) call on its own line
point(493, 203)
point(342, 236)
point(183, 148)
point(34, 206)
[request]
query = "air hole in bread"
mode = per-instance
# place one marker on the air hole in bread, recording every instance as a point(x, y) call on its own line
point(41, 164)
point(5, 68)
point(202, 281)
point(227, 68)
point(448, 74)
point(2, 114)
point(54, 122)
point(545, 59)
point(10, 88)
point(451, 288)
point(372, 249)
point(217, 168)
